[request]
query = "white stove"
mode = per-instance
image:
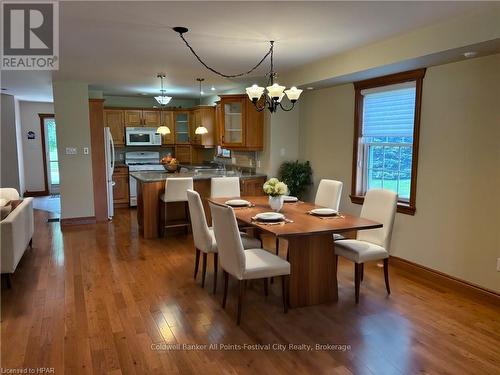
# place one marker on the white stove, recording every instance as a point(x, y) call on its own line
point(141, 161)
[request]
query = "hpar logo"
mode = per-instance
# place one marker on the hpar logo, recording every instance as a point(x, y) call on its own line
point(30, 36)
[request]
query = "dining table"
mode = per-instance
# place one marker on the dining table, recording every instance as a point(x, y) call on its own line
point(311, 248)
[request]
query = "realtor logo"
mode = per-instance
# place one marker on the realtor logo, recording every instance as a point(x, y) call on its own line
point(30, 36)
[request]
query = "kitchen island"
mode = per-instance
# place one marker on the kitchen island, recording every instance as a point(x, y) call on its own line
point(151, 184)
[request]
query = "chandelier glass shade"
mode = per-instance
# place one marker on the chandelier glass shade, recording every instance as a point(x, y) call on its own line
point(163, 130)
point(163, 100)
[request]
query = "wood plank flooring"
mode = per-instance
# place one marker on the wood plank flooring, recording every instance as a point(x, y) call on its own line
point(96, 299)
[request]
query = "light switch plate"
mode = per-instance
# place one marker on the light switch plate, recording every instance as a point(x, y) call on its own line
point(85, 150)
point(71, 151)
point(282, 152)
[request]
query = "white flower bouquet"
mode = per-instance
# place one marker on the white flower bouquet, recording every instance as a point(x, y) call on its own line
point(275, 188)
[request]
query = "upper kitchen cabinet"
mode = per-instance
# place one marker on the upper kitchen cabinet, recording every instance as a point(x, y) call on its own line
point(203, 116)
point(113, 119)
point(182, 128)
point(139, 117)
point(241, 127)
point(167, 119)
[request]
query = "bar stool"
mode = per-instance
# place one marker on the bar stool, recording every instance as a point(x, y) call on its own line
point(176, 191)
point(222, 187)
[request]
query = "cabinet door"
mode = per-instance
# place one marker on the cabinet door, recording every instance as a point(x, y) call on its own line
point(113, 119)
point(218, 124)
point(233, 122)
point(195, 122)
point(254, 127)
point(167, 119)
point(133, 117)
point(151, 118)
point(183, 153)
point(120, 189)
point(252, 186)
point(181, 127)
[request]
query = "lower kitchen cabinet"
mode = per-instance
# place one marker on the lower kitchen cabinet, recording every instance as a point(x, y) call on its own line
point(252, 186)
point(121, 188)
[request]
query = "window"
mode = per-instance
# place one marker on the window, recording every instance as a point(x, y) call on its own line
point(387, 120)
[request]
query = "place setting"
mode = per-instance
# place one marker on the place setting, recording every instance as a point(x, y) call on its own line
point(325, 213)
point(270, 218)
point(239, 203)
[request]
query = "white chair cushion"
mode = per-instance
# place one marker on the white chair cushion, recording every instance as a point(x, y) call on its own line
point(261, 263)
point(360, 251)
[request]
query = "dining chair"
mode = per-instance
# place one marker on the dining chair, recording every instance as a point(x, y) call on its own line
point(373, 244)
point(204, 238)
point(176, 191)
point(244, 264)
point(328, 195)
point(222, 187)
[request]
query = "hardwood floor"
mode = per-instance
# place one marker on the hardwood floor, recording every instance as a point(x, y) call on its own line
point(94, 299)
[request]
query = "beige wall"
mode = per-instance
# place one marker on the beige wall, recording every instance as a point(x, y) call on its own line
point(73, 130)
point(32, 148)
point(10, 171)
point(456, 227)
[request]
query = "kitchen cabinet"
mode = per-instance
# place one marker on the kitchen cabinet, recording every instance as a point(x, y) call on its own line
point(167, 119)
point(184, 154)
point(252, 186)
point(182, 128)
point(113, 119)
point(203, 116)
point(241, 126)
point(139, 117)
point(121, 187)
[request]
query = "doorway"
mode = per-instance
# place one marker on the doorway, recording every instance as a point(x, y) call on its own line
point(51, 159)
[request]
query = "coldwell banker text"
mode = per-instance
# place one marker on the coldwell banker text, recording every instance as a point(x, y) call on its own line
point(30, 36)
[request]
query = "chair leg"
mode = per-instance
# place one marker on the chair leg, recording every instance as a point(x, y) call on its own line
point(204, 270)
point(196, 263)
point(7, 280)
point(188, 217)
point(337, 262)
point(357, 280)
point(164, 219)
point(226, 279)
point(277, 249)
point(362, 271)
point(31, 243)
point(216, 266)
point(284, 292)
point(266, 288)
point(240, 300)
point(386, 275)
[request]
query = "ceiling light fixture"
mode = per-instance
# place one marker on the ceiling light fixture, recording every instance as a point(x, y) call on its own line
point(201, 129)
point(273, 93)
point(163, 100)
point(212, 88)
point(470, 54)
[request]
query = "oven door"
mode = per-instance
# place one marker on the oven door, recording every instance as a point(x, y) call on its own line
point(139, 137)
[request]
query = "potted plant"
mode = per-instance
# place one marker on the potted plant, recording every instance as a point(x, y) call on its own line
point(296, 175)
point(275, 189)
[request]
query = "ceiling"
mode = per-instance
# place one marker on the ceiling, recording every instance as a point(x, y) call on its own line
point(119, 47)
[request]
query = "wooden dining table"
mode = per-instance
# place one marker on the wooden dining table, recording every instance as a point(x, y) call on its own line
point(311, 253)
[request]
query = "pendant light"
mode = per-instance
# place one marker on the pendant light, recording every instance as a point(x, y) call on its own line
point(201, 129)
point(163, 100)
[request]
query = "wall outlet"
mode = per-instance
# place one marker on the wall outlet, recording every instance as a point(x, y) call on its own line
point(258, 163)
point(71, 151)
point(498, 264)
point(233, 160)
point(282, 152)
point(250, 162)
point(85, 150)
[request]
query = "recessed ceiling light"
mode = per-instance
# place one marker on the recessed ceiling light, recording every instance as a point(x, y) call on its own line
point(212, 88)
point(310, 88)
point(470, 54)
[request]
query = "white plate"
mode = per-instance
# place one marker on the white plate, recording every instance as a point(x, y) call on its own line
point(237, 203)
point(324, 212)
point(270, 216)
point(289, 198)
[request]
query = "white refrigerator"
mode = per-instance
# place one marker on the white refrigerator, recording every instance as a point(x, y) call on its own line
point(109, 152)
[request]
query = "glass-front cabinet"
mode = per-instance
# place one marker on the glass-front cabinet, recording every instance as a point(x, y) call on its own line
point(181, 127)
point(233, 121)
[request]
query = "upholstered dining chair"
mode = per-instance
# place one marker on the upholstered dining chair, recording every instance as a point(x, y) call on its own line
point(221, 187)
point(176, 191)
point(204, 238)
point(328, 195)
point(244, 264)
point(373, 244)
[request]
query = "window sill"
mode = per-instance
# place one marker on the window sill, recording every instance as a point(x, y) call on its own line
point(403, 207)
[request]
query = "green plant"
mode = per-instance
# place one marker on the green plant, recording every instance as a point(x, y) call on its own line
point(296, 175)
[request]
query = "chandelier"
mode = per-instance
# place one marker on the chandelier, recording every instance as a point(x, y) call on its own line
point(162, 98)
point(272, 95)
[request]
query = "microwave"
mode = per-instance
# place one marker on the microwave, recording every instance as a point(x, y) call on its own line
point(142, 137)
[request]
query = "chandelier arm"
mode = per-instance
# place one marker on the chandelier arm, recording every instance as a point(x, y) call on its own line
point(222, 74)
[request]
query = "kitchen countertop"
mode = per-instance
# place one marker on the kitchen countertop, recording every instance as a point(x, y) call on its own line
point(155, 176)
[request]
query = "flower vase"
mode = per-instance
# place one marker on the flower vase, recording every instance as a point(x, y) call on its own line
point(276, 203)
